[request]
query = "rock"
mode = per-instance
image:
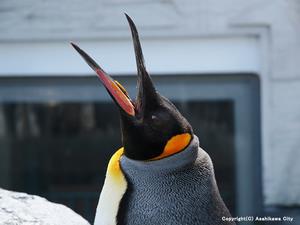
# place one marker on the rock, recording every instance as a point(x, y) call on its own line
point(23, 209)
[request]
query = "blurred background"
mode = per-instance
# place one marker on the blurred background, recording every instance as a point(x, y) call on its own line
point(230, 67)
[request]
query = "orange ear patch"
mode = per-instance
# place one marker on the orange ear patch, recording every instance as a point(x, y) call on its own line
point(174, 145)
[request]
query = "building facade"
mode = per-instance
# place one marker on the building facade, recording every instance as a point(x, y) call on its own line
point(218, 42)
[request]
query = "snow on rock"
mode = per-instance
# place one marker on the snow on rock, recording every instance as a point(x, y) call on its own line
point(23, 209)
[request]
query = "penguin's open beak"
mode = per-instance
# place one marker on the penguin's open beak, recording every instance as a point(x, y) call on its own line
point(115, 89)
point(147, 95)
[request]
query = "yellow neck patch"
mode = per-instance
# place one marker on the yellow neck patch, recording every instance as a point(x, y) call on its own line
point(174, 145)
point(113, 167)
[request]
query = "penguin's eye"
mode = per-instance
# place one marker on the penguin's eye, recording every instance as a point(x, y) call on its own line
point(155, 122)
point(153, 117)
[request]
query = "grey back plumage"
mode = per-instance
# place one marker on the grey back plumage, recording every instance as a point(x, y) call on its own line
point(177, 190)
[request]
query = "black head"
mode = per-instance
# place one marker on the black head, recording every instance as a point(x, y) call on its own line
point(150, 121)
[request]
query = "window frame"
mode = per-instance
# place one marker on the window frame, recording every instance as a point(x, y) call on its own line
point(243, 89)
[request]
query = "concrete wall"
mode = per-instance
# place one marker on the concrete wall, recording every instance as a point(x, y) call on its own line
point(275, 23)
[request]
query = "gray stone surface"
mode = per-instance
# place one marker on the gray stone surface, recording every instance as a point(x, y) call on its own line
point(23, 209)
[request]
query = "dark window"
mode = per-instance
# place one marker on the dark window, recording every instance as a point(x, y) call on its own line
point(58, 146)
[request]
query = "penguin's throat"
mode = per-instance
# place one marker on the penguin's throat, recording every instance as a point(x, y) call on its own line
point(182, 158)
point(174, 145)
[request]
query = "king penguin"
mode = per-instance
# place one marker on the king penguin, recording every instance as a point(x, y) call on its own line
point(160, 176)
